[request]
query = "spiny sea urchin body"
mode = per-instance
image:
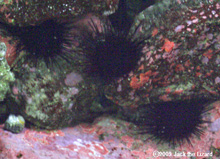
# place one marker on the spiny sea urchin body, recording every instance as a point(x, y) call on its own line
point(50, 41)
point(108, 53)
point(172, 122)
point(41, 30)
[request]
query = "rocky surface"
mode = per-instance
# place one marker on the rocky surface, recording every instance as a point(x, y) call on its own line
point(32, 12)
point(180, 61)
point(6, 75)
point(106, 138)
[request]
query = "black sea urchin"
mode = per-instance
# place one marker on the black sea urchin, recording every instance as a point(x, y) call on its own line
point(111, 50)
point(172, 122)
point(49, 42)
point(109, 53)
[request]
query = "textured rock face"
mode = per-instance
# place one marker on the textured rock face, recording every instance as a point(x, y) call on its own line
point(180, 60)
point(31, 12)
point(6, 76)
point(49, 100)
point(45, 98)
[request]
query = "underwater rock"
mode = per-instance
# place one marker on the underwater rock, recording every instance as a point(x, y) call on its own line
point(50, 100)
point(46, 98)
point(6, 75)
point(215, 126)
point(32, 12)
point(172, 65)
point(180, 61)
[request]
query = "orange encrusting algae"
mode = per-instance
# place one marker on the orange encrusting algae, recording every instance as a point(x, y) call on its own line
point(168, 45)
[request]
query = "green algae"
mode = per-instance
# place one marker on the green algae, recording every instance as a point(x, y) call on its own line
point(46, 101)
point(6, 76)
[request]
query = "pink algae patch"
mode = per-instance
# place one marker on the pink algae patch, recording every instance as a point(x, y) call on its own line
point(141, 67)
point(165, 98)
point(134, 83)
point(101, 149)
point(198, 74)
point(208, 54)
point(217, 143)
point(216, 111)
point(178, 92)
point(41, 137)
point(87, 153)
point(143, 78)
point(10, 53)
point(140, 154)
point(15, 90)
point(179, 68)
point(89, 149)
point(154, 32)
point(168, 45)
point(53, 133)
point(187, 63)
point(168, 90)
point(87, 128)
point(128, 140)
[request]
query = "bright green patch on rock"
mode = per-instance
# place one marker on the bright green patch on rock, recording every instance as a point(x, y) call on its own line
point(6, 76)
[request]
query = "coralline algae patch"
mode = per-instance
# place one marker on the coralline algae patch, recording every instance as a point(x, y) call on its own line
point(106, 138)
point(83, 141)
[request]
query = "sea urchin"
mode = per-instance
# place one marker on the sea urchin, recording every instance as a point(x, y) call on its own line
point(109, 53)
point(49, 41)
point(173, 122)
